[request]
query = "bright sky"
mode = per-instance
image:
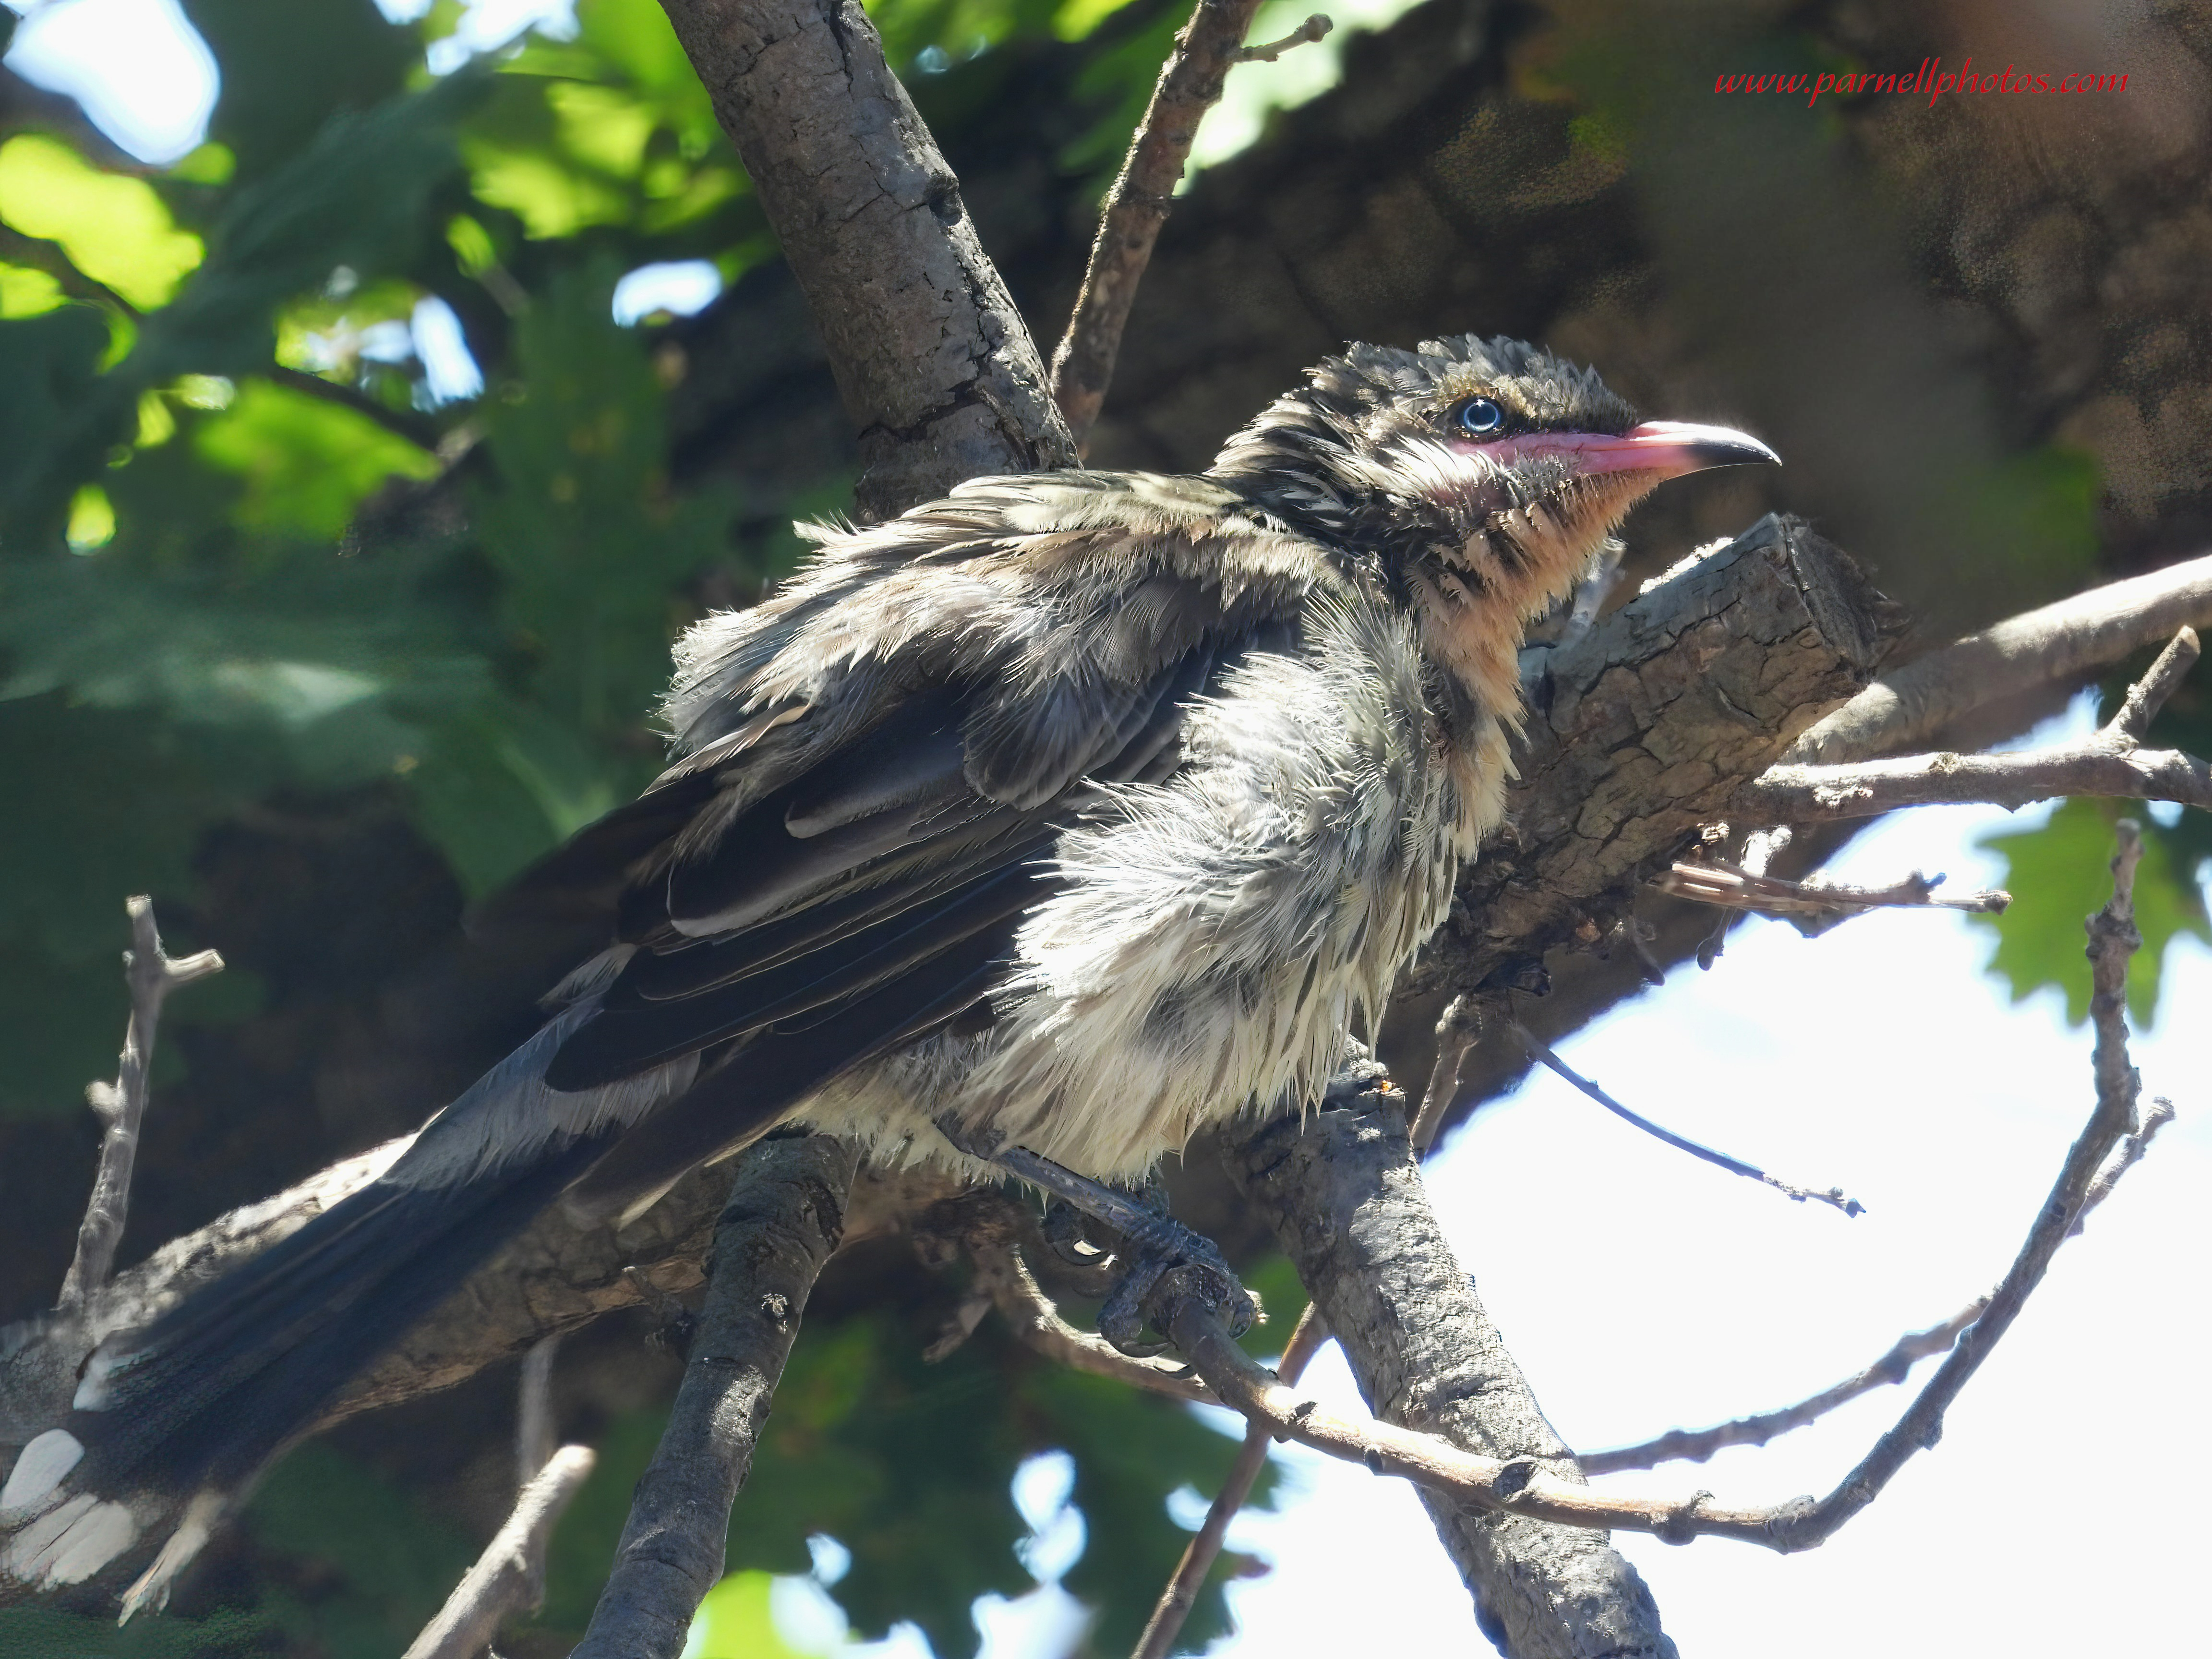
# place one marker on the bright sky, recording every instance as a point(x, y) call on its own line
point(1641, 1290)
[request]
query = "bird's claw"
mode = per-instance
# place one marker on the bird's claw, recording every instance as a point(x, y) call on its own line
point(1064, 1231)
point(1167, 1261)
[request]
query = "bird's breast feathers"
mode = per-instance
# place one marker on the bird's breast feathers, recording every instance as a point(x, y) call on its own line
point(1217, 933)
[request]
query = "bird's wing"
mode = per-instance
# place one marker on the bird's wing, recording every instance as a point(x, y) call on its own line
point(884, 752)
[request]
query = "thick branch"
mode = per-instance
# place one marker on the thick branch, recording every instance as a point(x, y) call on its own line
point(2056, 643)
point(1343, 1197)
point(936, 367)
point(786, 1214)
point(1189, 85)
point(121, 1105)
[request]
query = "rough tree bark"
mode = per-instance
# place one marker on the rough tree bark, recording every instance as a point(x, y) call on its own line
point(785, 1216)
point(937, 370)
point(1344, 1198)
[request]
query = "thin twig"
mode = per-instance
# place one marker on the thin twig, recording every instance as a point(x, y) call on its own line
point(2113, 762)
point(509, 1577)
point(2148, 695)
point(1457, 1028)
point(1316, 28)
point(1760, 849)
point(534, 1413)
point(2112, 940)
point(1190, 84)
point(1181, 1593)
point(1717, 881)
point(1697, 1445)
point(422, 433)
point(1543, 1054)
point(121, 1105)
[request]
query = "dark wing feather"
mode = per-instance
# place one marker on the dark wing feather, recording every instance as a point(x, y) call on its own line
point(889, 841)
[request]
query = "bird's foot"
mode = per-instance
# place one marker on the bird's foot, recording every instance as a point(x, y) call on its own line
point(1160, 1254)
point(1163, 1259)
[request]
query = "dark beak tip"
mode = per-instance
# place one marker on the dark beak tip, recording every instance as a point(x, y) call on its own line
point(1744, 451)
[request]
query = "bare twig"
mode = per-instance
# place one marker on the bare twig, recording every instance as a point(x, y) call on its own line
point(2148, 695)
point(1760, 849)
point(1543, 1054)
point(1500, 1485)
point(421, 433)
point(1181, 1593)
point(1189, 85)
point(2112, 762)
point(2057, 642)
point(1457, 1029)
point(534, 1413)
point(784, 1217)
point(1316, 28)
point(1697, 1445)
point(2112, 940)
point(121, 1105)
point(509, 1577)
point(1716, 881)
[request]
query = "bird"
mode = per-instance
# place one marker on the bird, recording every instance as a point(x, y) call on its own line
point(1040, 826)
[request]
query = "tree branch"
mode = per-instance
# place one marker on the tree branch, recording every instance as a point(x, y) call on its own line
point(2113, 762)
point(936, 367)
point(785, 1216)
point(1190, 84)
point(1716, 881)
point(423, 435)
point(509, 1577)
point(1523, 1487)
point(1543, 1056)
point(2057, 642)
point(2112, 940)
point(121, 1105)
point(1343, 1197)
point(1697, 1445)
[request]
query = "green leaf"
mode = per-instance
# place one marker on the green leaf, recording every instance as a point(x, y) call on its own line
point(308, 464)
point(2059, 875)
point(115, 229)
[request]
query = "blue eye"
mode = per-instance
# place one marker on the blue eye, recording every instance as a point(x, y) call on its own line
point(1480, 417)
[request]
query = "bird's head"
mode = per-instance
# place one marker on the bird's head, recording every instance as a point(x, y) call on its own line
point(1482, 477)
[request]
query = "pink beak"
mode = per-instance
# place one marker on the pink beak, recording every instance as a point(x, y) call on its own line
point(1670, 449)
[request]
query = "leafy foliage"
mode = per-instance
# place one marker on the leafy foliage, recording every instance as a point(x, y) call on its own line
point(252, 544)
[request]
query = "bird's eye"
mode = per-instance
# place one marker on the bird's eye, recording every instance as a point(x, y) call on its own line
point(1480, 417)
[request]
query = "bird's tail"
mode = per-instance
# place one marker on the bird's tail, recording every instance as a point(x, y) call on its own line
point(172, 1422)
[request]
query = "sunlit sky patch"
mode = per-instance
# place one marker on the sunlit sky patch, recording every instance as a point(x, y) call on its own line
point(138, 67)
point(680, 287)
